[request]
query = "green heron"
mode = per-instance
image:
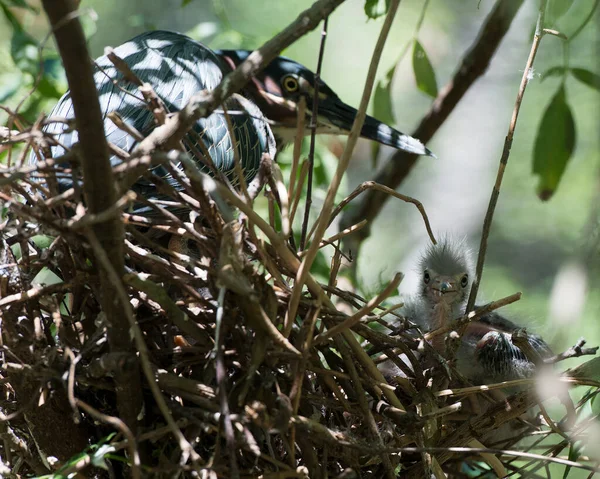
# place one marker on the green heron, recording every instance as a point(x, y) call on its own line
point(487, 353)
point(177, 67)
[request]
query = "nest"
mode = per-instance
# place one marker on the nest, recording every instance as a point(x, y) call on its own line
point(219, 353)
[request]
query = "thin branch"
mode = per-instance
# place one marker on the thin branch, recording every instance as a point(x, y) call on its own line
point(122, 427)
point(473, 65)
point(202, 104)
point(328, 204)
point(356, 317)
point(371, 185)
point(473, 316)
point(313, 136)
point(138, 337)
point(489, 216)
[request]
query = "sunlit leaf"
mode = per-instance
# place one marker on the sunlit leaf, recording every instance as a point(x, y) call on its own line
point(553, 72)
point(556, 9)
point(554, 144)
point(42, 241)
point(591, 79)
point(204, 30)
point(376, 8)
point(228, 39)
point(424, 73)
point(89, 24)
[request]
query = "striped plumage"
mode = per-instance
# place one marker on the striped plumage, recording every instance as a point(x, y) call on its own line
point(177, 67)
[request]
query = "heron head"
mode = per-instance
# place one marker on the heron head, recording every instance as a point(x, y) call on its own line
point(447, 273)
point(277, 90)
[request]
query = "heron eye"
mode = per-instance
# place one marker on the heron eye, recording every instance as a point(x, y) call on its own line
point(464, 281)
point(426, 277)
point(290, 83)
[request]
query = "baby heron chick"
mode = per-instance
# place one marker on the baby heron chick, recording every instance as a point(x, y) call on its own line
point(444, 289)
point(487, 352)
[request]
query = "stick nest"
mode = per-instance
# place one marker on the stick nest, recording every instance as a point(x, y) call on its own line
point(255, 392)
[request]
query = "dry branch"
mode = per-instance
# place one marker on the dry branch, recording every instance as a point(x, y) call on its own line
point(472, 66)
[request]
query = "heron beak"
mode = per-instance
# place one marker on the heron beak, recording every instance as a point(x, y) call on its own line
point(340, 116)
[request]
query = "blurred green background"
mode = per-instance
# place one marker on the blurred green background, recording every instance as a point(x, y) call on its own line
point(535, 247)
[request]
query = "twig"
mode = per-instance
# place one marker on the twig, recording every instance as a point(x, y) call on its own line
point(473, 316)
point(574, 351)
point(300, 120)
point(340, 235)
point(122, 427)
point(328, 204)
point(356, 317)
point(221, 374)
point(473, 65)
point(138, 337)
point(298, 190)
point(371, 185)
point(489, 216)
point(313, 136)
point(202, 104)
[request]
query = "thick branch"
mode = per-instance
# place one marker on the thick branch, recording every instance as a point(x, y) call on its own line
point(98, 185)
point(474, 64)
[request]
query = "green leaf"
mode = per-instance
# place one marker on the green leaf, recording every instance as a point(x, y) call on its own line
point(382, 108)
point(204, 30)
point(382, 102)
point(587, 77)
point(10, 17)
point(42, 241)
point(424, 73)
point(32, 108)
point(47, 88)
point(89, 24)
point(554, 72)
point(20, 4)
point(24, 52)
point(185, 3)
point(574, 451)
point(376, 8)
point(556, 9)
point(590, 370)
point(554, 144)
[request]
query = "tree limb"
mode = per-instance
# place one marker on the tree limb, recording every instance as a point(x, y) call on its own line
point(98, 188)
point(396, 169)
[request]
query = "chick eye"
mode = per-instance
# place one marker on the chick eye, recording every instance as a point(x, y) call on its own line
point(464, 281)
point(290, 83)
point(426, 277)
